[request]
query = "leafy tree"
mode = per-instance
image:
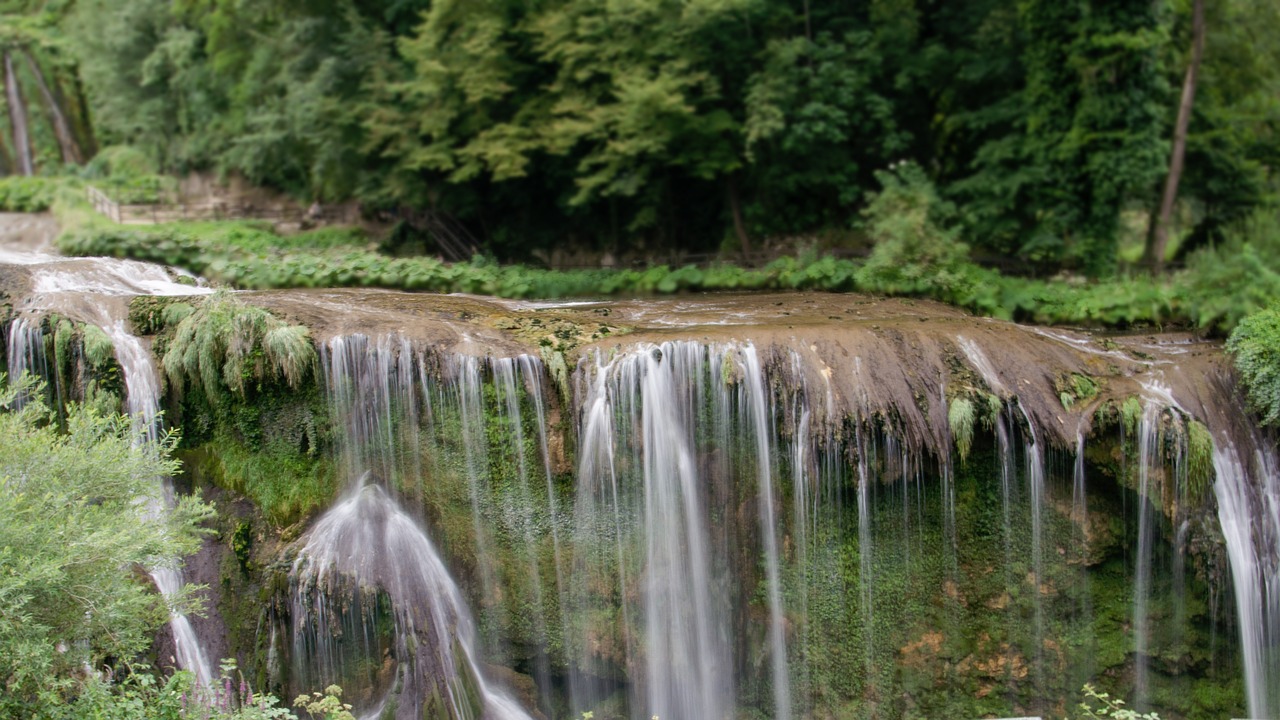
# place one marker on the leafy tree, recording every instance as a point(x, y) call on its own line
point(71, 545)
point(816, 124)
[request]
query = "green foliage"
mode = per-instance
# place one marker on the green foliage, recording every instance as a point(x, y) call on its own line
point(27, 194)
point(1256, 346)
point(1239, 276)
point(960, 417)
point(914, 252)
point(225, 344)
point(654, 125)
point(73, 506)
point(1102, 705)
point(98, 349)
point(1200, 471)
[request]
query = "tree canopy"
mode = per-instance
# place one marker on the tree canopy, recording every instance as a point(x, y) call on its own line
point(644, 125)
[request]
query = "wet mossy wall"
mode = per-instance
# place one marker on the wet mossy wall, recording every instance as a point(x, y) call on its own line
point(948, 628)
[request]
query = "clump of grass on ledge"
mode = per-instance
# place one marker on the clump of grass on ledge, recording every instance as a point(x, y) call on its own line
point(225, 344)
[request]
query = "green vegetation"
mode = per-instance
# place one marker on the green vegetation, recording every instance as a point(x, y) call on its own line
point(71, 505)
point(1256, 345)
point(960, 417)
point(1108, 707)
point(27, 194)
point(224, 344)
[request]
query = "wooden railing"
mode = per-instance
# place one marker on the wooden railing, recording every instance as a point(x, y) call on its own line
point(154, 213)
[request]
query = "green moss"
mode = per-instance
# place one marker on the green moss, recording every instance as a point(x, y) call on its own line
point(960, 418)
point(1200, 471)
point(98, 348)
point(286, 486)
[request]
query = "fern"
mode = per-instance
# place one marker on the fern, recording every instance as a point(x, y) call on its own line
point(960, 417)
point(224, 343)
point(174, 313)
point(1256, 346)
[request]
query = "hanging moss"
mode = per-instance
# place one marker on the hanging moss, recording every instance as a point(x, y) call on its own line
point(98, 350)
point(1131, 414)
point(960, 417)
point(1199, 459)
point(225, 344)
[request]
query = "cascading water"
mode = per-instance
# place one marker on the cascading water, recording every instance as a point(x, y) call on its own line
point(26, 352)
point(669, 576)
point(18, 118)
point(651, 471)
point(142, 384)
point(1248, 493)
point(753, 396)
point(371, 600)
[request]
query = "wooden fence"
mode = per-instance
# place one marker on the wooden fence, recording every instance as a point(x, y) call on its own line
point(154, 213)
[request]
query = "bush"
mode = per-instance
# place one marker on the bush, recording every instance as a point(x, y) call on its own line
point(915, 252)
point(1256, 346)
point(73, 507)
point(27, 194)
point(1238, 277)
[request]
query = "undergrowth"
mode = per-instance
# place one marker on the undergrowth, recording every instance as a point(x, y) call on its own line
point(1256, 346)
point(917, 254)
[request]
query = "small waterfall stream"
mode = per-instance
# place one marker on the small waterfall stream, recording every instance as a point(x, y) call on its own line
point(368, 583)
point(1248, 494)
point(18, 118)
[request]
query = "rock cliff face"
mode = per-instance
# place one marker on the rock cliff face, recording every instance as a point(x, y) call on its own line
point(799, 505)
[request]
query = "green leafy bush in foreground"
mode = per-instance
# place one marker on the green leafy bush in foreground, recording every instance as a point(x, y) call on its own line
point(72, 504)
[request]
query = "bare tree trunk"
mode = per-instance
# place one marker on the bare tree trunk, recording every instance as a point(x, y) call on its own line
point(66, 140)
point(739, 227)
point(1159, 240)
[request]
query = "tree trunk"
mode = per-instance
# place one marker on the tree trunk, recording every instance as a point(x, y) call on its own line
point(739, 227)
point(1159, 240)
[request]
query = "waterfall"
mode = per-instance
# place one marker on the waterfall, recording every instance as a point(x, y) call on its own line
point(655, 393)
point(1249, 513)
point(18, 118)
point(85, 289)
point(142, 384)
point(26, 352)
point(371, 600)
point(754, 398)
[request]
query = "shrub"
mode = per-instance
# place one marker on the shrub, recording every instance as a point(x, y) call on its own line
point(1256, 346)
point(27, 194)
point(1240, 276)
point(915, 252)
point(224, 343)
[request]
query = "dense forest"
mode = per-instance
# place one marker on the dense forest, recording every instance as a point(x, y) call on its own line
point(1053, 131)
